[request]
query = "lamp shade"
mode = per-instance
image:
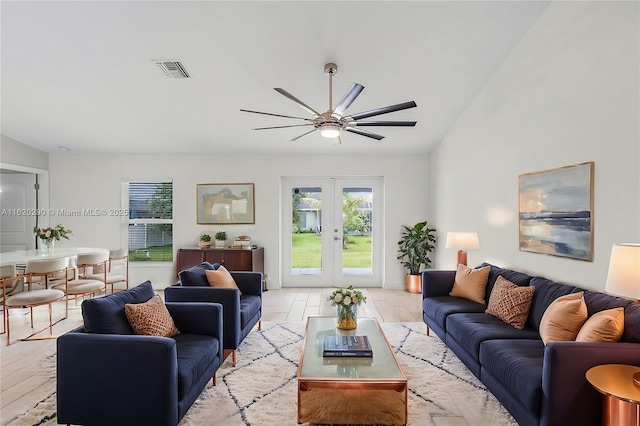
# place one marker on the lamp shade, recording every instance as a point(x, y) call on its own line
point(623, 278)
point(462, 240)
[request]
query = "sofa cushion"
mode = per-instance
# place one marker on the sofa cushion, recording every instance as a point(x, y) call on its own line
point(563, 318)
point(438, 308)
point(151, 318)
point(221, 278)
point(603, 326)
point(195, 354)
point(510, 302)
point(546, 292)
point(471, 329)
point(517, 364)
point(250, 305)
point(106, 315)
point(518, 278)
point(196, 276)
point(597, 302)
point(470, 283)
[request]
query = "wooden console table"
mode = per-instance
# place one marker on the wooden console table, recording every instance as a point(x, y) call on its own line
point(234, 259)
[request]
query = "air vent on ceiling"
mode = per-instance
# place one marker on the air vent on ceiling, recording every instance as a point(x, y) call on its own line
point(173, 69)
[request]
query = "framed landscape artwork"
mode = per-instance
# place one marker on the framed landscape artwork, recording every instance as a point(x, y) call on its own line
point(225, 203)
point(556, 211)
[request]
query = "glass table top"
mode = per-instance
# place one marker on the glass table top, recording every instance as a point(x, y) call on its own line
point(382, 366)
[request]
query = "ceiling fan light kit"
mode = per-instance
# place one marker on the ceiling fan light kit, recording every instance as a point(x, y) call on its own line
point(334, 120)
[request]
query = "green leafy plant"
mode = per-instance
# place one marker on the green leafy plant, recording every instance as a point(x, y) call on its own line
point(415, 245)
point(205, 237)
point(221, 236)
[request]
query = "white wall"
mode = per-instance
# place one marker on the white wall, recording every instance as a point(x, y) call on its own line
point(567, 94)
point(93, 181)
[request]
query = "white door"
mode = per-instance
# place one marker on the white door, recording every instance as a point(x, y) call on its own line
point(332, 232)
point(18, 205)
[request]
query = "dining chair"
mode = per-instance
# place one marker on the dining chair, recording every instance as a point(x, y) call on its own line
point(117, 269)
point(30, 299)
point(81, 285)
point(46, 272)
point(10, 285)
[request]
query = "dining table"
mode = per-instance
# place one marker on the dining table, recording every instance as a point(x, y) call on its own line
point(20, 257)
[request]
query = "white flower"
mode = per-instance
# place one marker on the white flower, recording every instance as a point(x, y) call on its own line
point(338, 297)
point(346, 301)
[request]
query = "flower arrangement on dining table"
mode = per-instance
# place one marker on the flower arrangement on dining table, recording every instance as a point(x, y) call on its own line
point(47, 235)
point(347, 300)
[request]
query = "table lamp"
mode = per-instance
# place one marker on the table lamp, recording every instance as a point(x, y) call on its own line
point(462, 241)
point(623, 278)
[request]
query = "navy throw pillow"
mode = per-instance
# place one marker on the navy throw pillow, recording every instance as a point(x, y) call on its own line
point(105, 315)
point(195, 276)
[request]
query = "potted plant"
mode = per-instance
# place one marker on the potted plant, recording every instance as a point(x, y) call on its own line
point(413, 251)
point(205, 240)
point(221, 238)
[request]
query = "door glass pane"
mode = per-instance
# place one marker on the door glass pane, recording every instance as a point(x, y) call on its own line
point(357, 209)
point(306, 231)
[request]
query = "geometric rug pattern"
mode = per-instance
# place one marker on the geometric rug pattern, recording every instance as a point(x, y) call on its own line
point(262, 388)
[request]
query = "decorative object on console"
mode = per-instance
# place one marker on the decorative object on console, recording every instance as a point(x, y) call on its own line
point(225, 203)
point(413, 252)
point(623, 278)
point(556, 211)
point(347, 301)
point(243, 241)
point(221, 239)
point(462, 241)
point(331, 122)
point(205, 240)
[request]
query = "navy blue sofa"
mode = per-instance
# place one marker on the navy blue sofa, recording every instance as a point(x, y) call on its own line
point(241, 312)
point(107, 375)
point(537, 384)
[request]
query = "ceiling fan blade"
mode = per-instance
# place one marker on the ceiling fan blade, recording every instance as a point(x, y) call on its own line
point(384, 110)
point(283, 127)
point(337, 141)
point(348, 98)
point(383, 123)
point(275, 115)
point(364, 133)
point(296, 100)
point(303, 135)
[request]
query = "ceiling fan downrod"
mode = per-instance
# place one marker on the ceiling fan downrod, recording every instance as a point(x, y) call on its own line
point(330, 69)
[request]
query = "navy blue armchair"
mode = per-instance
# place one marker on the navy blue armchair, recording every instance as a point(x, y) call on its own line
point(110, 378)
point(241, 312)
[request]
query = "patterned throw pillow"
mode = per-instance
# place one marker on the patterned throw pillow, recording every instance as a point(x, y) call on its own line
point(510, 302)
point(563, 318)
point(221, 278)
point(151, 318)
point(470, 283)
point(603, 326)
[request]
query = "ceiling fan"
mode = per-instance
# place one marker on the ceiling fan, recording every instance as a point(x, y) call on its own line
point(332, 121)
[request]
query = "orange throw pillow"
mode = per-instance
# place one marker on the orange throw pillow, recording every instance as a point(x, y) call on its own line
point(470, 283)
point(563, 318)
point(151, 318)
point(221, 278)
point(603, 326)
point(510, 302)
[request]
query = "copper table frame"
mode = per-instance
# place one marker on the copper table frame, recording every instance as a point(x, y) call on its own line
point(393, 390)
point(620, 395)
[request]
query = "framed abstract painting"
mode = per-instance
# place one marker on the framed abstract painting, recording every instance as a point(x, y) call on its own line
point(556, 211)
point(225, 203)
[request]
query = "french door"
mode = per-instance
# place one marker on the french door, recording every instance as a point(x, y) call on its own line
point(332, 231)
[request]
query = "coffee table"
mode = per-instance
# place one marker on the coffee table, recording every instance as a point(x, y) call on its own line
point(350, 390)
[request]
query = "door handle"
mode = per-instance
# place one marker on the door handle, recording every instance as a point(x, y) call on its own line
point(337, 238)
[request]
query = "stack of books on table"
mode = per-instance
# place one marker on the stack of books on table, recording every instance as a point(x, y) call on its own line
point(347, 346)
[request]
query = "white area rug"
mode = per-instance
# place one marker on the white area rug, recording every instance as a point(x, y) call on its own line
point(261, 389)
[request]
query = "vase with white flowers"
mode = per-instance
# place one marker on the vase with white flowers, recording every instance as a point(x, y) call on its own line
point(49, 235)
point(347, 300)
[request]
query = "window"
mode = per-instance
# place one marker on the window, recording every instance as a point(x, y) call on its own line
point(150, 224)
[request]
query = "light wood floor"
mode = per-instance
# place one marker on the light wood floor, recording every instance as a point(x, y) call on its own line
point(19, 383)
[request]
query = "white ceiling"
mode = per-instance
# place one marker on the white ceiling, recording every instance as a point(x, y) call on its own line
point(80, 74)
